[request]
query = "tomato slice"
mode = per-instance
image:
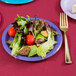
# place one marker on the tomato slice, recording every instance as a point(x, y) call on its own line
point(30, 39)
point(12, 31)
point(43, 21)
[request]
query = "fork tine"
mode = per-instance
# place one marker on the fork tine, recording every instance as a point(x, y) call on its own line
point(66, 21)
point(60, 19)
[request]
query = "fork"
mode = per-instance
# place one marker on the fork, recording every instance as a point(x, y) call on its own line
point(64, 28)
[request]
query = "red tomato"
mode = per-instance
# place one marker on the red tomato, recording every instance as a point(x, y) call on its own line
point(30, 39)
point(43, 21)
point(11, 31)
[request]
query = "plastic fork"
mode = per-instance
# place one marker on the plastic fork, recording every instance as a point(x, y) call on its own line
point(64, 28)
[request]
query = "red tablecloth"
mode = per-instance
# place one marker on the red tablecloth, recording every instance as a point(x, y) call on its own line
point(53, 66)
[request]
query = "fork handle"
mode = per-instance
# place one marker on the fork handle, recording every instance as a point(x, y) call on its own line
point(67, 53)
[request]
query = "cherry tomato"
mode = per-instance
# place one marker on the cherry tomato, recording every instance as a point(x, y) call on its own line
point(43, 21)
point(11, 31)
point(30, 39)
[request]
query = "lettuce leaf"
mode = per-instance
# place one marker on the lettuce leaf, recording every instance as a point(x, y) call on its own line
point(16, 46)
point(12, 43)
point(33, 51)
point(21, 21)
point(46, 47)
point(39, 36)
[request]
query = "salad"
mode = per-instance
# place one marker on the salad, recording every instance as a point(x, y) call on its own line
point(32, 37)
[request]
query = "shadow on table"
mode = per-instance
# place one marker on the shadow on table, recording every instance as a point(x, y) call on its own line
point(71, 20)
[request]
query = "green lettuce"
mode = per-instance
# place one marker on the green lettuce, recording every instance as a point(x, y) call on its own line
point(16, 46)
point(33, 51)
point(12, 43)
point(46, 46)
point(21, 21)
point(40, 36)
point(38, 26)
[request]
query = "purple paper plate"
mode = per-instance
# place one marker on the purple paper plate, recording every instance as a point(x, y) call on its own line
point(66, 6)
point(58, 38)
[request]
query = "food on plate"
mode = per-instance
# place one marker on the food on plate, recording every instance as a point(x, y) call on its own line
point(33, 51)
point(43, 21)
point(12, 31)
point(74, 8)
point(24, 51)
point(44, 33)
point(32, 37)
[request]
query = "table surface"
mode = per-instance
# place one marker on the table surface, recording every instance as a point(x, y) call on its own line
point(53, 66)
